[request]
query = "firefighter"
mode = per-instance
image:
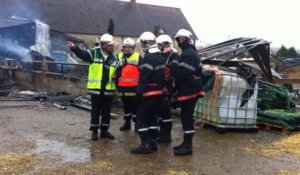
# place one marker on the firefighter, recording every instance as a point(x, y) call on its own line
point(101, 85)
point(165, 44)
point(128, 75)
point(150, 92)
point(189, 88)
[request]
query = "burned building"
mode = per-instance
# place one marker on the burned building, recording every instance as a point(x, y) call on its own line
point(87, 19)
point(32, 40)
point(70, 19)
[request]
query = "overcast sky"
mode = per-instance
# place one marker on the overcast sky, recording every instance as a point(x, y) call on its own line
point(277, 21)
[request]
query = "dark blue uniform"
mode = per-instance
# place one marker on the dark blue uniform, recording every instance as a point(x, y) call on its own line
point(189, 89)
point(150, 92)
point(164, 113)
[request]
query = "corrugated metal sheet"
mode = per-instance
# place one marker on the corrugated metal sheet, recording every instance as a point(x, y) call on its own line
point(290, 62)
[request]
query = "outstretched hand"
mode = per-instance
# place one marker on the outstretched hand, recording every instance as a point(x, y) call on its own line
point(70, 44)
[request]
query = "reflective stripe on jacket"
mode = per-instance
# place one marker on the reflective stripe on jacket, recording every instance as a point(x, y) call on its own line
point(100, 72)
point(188, 97)
point(130, 71)
point(152, 75)
point(188, 75)
point(153, 93)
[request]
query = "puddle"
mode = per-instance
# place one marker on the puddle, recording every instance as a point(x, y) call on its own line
point(59, 150)
point(68, 154)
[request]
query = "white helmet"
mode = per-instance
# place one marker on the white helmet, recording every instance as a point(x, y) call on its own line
point(185, 33)
point(128, 42)
point(164, 39)
point(106, 39)
point(147, 39)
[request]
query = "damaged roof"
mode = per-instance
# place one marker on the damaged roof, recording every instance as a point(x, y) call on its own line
point(92, 16)
point(259, 49)
point(290, 62)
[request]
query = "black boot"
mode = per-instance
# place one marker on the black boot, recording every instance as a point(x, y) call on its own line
point(181, 145)
point(186, 148)
point(106, 134)
point(144, 148)
point(178, 146)
point(164, 136)
point(126, 126)
point(94, 135)
point(153, 144)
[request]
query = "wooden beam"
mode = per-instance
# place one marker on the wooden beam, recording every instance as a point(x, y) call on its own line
point(286, 81)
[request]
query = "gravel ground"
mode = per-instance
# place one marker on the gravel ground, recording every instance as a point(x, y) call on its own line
point(41, 139)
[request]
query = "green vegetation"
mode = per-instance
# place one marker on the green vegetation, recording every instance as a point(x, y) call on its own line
point(283, 52)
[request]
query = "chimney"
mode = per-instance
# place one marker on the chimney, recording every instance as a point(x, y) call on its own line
point(132, 3)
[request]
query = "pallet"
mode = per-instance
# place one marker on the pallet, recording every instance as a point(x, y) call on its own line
point(273, 128)
point(222, 128)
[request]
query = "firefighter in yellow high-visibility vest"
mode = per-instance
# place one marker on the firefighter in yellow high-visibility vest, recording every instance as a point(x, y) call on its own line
point(101, 84)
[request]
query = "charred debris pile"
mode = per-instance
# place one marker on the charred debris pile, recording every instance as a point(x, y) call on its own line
point(25, 45)
point(228, 104)
point(28, 42)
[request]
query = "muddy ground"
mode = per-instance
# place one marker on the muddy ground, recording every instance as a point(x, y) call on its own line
point(41, 139)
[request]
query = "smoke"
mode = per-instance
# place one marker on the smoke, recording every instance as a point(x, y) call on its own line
point(24, 9)
point(15, 41)
point(11, 49)
point(20, 36)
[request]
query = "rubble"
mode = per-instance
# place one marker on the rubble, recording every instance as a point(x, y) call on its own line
point(8, 87)
point(85, 104)
point(248, 59)
point(28, 41)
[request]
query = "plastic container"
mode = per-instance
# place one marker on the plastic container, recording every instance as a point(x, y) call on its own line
point(229, 104)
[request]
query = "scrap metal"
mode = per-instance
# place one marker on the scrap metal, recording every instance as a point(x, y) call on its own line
point(222, 53)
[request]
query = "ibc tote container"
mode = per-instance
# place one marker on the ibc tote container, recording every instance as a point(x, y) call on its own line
point(225, 106)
